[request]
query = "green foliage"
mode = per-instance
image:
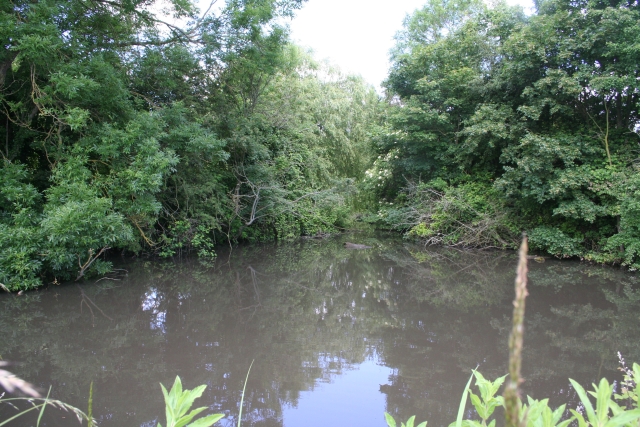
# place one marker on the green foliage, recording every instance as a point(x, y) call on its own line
point(629, 385)
point(293, 163)
point(178, 402)
point(486, 402)
point(538, 107)
point(177, 238)
point(78, 221)
point(121, 135)
point(607, 412)
point(203, 243)
point(624, 246)
point(537, 413)
point(553, 241)
point(463, 403)
point(20, 236)
point(410, 422)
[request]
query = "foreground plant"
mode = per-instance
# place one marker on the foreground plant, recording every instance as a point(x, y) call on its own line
point(178, 402)
point(487, 401)
point(39, 405)
point(11, 383)
point(629, 391)
point(607, 412)
point(392, 423)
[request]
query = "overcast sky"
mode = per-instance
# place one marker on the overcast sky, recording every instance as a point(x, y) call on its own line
point(355, 35)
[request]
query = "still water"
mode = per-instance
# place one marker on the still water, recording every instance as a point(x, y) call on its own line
point(338, 336)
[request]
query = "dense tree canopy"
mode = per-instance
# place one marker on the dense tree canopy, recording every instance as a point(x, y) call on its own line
point(502, 123)
point(125, 130)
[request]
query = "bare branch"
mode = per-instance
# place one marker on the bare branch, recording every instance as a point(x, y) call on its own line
point(90, 260)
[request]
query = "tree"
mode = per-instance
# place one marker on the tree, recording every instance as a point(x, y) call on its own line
point(544, 109)
point(95, 120)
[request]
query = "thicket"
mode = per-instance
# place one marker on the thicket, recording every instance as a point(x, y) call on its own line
point(500, 122)
point(138, 127)
point(128, 127)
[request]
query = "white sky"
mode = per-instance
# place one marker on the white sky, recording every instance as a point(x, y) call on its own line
point(356, 35)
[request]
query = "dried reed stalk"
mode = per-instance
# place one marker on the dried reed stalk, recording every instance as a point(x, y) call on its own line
point(512, 389)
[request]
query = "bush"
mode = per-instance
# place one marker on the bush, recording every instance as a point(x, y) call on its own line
point(469, 215)
point(554, 241)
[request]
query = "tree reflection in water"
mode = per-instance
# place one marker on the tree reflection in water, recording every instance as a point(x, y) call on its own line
point(311, 313)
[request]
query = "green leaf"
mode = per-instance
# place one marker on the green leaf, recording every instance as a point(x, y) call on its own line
point(184, 420)
point(178, 402)
point(578, 416)
point(557, 414)
point(207, 421)
point(44, 405)
point(463, 402)
point(15, 65)
point(623, 418)
point(591, 415)
point(187, 399)
point(477, 403)
point(168, 405)
point(390, 421)
point(243, 390)
point(495, 386)
point(604, 393)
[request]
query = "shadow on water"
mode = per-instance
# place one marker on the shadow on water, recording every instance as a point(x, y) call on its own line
point(338, 336)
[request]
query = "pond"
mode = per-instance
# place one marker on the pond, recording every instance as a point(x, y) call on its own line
point(337, 336)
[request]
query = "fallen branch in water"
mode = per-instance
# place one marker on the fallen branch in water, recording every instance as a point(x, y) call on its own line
point(90, 260)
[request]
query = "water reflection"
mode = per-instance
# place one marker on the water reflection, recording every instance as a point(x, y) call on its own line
point(338, 336)
point(346, 400)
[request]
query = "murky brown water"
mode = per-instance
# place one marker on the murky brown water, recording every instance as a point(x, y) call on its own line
point(338, 336)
